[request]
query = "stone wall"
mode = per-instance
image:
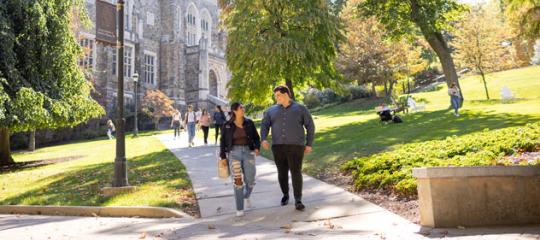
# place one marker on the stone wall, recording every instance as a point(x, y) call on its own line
point(478, 196)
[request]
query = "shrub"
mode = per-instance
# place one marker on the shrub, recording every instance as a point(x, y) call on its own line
point(392, 170)
point(358, 92)
point(311, 101)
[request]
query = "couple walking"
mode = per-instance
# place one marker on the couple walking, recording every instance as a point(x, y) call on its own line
point(240, 140)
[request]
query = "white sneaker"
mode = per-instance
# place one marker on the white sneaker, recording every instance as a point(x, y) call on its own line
point(240, 213)
point(248, 203)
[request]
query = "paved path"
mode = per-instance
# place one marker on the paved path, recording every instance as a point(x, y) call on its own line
point(331, 213)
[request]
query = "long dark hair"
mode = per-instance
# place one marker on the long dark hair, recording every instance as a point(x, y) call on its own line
point(219, 108)
point(234, 107)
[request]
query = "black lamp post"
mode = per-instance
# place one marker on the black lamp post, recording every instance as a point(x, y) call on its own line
point(120, 165)
point(136, 89)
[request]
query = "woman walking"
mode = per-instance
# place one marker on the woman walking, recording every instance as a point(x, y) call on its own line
point(190, 122)
point(175, 123)
point(204, 121)
point(455, 98)
point(219, 120)
point(110, 129)
point(240, 139)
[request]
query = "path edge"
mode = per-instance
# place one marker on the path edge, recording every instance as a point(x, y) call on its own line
point(88, 211)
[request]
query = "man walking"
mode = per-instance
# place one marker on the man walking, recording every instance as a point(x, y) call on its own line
point(289, 141)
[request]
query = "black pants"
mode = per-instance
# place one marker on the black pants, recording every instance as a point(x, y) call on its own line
point(218, 127)
point(289, 158)
point(205, 131)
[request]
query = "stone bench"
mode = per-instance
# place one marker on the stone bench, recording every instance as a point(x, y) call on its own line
point(478, 196)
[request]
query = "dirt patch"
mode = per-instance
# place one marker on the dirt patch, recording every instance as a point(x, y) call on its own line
point(406, 208)
point(189, 203)
point(37, 163)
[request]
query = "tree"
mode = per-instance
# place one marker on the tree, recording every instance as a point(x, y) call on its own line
point(368, 58)
point(276, 41)
point(478, 40)
point(431, 17)
point(41, 85)
point(157, 105)
point(526, 15)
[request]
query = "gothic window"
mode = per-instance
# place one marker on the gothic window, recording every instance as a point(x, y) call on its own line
point(128, 61)
point(149, 69)
point(87, 45)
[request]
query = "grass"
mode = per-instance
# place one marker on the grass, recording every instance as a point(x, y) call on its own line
point(76, 172)
point(352, 130)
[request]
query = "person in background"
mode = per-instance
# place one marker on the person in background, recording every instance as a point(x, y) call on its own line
point(190, 122)
point(455, 98)
point(219, 119)
point(176, 121)
point(110, 129)
point(204, 122)
point(240, 139)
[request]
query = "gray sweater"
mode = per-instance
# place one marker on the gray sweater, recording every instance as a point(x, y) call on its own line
point(288, 125)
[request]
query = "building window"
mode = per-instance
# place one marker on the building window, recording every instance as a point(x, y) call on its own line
point(149, 69)
point(114, 61)
point(128, 59)
point(87, 45)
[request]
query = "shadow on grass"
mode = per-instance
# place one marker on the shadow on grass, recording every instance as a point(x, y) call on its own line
point(336, 145)
point(17, 166)
point(81, 187)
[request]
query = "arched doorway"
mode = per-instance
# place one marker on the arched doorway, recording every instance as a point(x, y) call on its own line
point(213, 86)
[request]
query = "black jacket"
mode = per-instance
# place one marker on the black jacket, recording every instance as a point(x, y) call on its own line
point(227, 131)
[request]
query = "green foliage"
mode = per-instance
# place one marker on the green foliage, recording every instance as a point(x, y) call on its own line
point(392, 170)
point(401, 18)
point(270, 42)
point(43, 86)
point(312, 101)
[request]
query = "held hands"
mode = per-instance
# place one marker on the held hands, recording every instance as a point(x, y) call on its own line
point(308, 150)
point(265, 145)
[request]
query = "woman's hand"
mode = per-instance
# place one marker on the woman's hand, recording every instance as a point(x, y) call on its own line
point(257, 152)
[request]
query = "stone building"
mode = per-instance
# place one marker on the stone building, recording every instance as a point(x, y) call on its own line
point(175, 46)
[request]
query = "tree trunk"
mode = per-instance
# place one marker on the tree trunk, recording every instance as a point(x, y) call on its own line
point(32, 141)
point(5, 152)
point(373, 90)
point(156, 123)
point(485, 83)
point(390, 88)
point(385, 89)
point(288, 82)
point(439, 45)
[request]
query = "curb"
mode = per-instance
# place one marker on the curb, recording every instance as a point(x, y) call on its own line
point(145, 212)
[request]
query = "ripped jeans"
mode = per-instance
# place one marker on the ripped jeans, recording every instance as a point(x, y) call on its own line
point(242, 167)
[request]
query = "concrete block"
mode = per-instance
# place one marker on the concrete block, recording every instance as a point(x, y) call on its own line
point(478, 196)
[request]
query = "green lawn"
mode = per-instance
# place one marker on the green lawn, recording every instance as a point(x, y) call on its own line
point(353, 130)
point(76, 172)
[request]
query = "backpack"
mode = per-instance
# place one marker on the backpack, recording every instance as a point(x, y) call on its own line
point(397, 119)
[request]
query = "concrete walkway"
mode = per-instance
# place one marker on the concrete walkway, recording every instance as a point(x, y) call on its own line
point(331, 213)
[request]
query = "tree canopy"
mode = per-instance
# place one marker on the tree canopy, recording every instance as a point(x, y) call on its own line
point(41, 84)
point(272, 42)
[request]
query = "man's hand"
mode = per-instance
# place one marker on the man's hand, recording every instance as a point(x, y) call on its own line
point(265, 145)
point(257, 152)
point(308, 150)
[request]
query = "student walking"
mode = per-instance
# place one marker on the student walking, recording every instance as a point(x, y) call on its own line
point(204, 122)
point(176, 122)
point(190, 122)
point(219, 119)
point(241, 141)
point(287, 120)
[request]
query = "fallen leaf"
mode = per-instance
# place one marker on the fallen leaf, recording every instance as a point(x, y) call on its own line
point(95, 215)
point(461, 227)
point(211, 226)
point(142, 236)
point(287, 226)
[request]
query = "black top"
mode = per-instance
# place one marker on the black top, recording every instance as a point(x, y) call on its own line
point(227, 137)
point(219, 118)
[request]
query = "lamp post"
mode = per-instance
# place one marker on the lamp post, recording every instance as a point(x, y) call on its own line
point(120, 165)
point(136, 89)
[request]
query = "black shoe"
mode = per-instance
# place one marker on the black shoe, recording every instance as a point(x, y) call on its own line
point(284, 200)
point(299, 206)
